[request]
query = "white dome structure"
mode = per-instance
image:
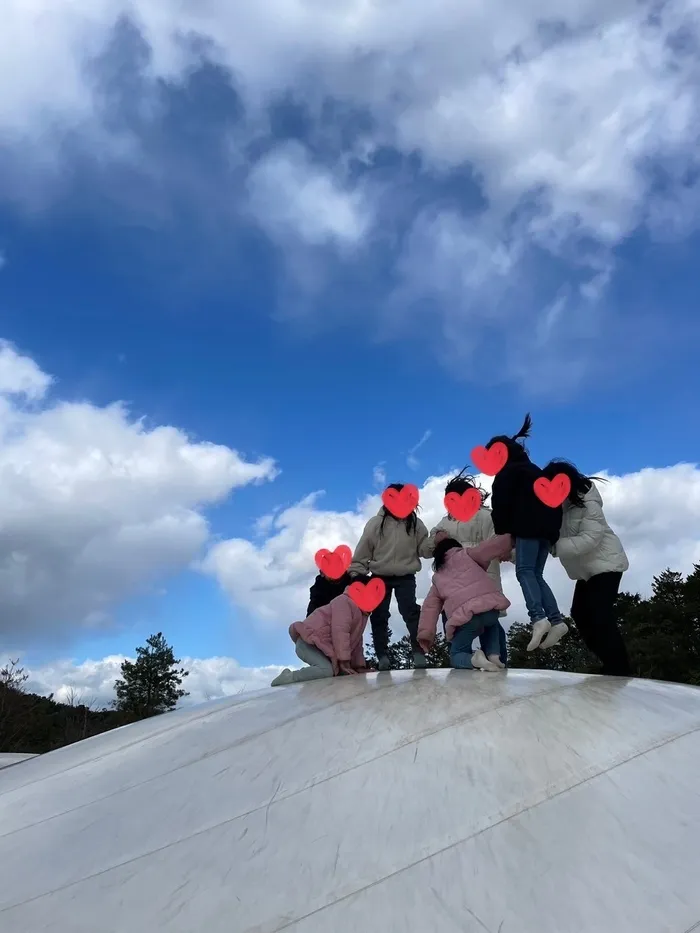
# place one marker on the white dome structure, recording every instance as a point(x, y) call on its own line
point(445, 801)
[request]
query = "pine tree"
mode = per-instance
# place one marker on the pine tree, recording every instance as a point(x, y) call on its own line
point(151, 684)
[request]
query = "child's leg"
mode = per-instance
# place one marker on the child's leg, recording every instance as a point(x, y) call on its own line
point(527, 562)
point(489, 637)
point(380, 623)
point(502, 645)
point(461, 645)
point(405, 589)
point(319, 665)
point(549, 602)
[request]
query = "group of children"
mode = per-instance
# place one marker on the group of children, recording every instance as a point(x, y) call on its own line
point(466, 585)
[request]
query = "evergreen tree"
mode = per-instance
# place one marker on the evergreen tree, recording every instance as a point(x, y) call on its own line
point(151, 684)
point(400, 654)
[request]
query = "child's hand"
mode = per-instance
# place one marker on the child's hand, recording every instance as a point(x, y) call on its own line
point(426, 644)
point(346, 667)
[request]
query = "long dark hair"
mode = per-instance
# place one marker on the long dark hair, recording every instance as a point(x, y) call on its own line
point(462, 482)
point(580, 484)
point(516, 451)
point(440, 552)
point(410, 521)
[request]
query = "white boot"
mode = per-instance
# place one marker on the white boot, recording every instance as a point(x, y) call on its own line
point(539, 630)
point(481, 663)
point(556, 634)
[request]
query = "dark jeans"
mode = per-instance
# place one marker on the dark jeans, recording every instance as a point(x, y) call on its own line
point(594, 614)
point(485, 625)
point(405, 590)
point(530, 557)
point(502, 640)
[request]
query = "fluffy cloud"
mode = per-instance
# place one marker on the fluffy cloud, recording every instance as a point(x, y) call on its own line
point(576, 123)
point(94, 506)
point(92, 682)
point(656, 512)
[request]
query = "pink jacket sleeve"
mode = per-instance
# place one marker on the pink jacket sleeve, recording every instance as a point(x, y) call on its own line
point(341, 625)
point(429, 615)
point(497, 548)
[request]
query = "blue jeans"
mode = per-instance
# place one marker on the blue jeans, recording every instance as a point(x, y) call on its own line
point(502, 640)
point(485, 625)
point(530, 557)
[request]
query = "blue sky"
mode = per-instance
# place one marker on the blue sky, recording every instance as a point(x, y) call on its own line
point(295, 266)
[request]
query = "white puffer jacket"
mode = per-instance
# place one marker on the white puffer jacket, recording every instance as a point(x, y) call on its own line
point(469, 534)
point(588, 545)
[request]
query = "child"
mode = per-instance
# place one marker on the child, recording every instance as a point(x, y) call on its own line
point(469, 534)
point(391, 547)
point(593, 555)
point(517, 511)
point(470, 598)
point(324, 589)
point(329, 641)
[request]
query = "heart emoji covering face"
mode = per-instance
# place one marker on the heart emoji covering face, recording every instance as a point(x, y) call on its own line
point(401, 502)
point(333, 564)
point(463, 507)
point(367, 596)
point(552, 492)
point(490, 461)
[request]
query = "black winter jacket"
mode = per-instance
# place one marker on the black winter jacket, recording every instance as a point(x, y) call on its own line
point(324, 590)
point(516, 510)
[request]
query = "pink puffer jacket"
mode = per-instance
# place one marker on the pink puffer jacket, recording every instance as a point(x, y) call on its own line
point(337, 630)
point(463, 587)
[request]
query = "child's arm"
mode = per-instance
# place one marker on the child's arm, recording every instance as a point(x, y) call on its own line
point(502, 493)
point(429, 615)
point(497, 548)
point(589, 537)
point(364, 552)
point(422, 540)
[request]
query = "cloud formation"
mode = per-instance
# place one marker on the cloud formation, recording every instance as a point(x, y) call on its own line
point(94, 506)
point(527, 140)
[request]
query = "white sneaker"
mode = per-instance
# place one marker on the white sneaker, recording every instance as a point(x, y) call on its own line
point(284, 677)
point(556, 634)
point(539, 630)
point(496, 659)
point(481, 663)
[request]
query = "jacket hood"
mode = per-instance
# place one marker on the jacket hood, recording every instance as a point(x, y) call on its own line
point(593, 495)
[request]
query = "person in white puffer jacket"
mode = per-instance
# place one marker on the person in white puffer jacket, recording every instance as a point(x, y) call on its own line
point(470, 534)
point(593, 555)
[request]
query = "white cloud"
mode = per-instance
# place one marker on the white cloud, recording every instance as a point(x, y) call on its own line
point(578, 123)
point(411, 460)
point(92, 682)
point(291, 196)
point(94, 506)
point(656, 512)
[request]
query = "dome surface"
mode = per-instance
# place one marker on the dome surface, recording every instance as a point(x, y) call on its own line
point(445, 801)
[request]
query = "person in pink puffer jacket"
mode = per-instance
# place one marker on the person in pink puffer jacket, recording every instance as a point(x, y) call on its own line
point(470, 598)
point(329, 641)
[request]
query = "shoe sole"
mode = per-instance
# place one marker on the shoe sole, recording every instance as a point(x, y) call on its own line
point(546, 643)
point(536, 642)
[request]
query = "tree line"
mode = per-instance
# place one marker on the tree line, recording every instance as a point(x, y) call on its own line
point(662, 634)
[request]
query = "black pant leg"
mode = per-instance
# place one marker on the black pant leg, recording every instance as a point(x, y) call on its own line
point(380, 622)
point(581, 614)
point(602, 592)
point(405, 589)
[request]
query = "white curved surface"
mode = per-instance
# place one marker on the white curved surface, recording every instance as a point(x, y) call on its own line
point(7, 759)
point(414, 801)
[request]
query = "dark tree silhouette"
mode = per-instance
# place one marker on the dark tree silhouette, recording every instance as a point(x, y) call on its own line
point(152, 683)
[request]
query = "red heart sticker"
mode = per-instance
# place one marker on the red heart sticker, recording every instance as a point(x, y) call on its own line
point(401, 502)
point(490, 461)
point(553, 492)
point(463, 507)
point(367, 596)
point(333, 563)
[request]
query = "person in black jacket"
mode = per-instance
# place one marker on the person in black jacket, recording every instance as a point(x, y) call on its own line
point(516, 510)
point(323, 590)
